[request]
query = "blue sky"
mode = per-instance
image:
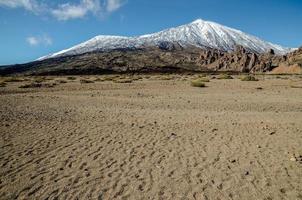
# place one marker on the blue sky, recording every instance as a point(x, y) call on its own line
point(33, 28)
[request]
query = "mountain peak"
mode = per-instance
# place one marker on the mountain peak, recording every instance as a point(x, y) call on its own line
point(199, 33)
point(198, 21)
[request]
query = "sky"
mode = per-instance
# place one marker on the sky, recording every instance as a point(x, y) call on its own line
point(30, 29)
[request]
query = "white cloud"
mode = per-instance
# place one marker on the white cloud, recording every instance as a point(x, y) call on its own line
point(32, 41)
point(39, 40)
point(67, 11)
point(113, 5)
point(71, 11)
point(31, 5)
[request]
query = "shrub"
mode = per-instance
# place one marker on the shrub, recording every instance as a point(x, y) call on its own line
point(248, 78)
point(126, 80)
point(71, 78)
point(38, 85)
point(39, 79)
point(166, 78)
point(225, 76)
point(31, 85)
point(108, 78)
point(204, 79)
point(99, 80)
point(136, 78)
point(198, 83)
point(61, 81)
point(14, 79)
point(83, 81)
point(2, 84)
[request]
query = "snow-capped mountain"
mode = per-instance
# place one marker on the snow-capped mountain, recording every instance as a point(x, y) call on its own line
point(199, 33)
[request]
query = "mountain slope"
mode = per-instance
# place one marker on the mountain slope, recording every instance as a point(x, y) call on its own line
point(150, 60)
point(200, 33)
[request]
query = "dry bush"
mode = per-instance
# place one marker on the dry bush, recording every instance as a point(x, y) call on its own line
point(197, 83)
point(249, 78)
point(110, 78)
point(61, 81)
point(125, 80)
point(39, 79)
point(224, 76)
point(166, 78)
point(99, 80)
point(84, 81)
point(2, 84)
point(14, 79)
point(203, 79)
point(71, 78)
point(37, 85)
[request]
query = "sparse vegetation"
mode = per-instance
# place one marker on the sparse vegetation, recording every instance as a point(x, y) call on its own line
point(14, 79)
point(2, 84)
point(61, 81)
point(198, 83)
point(99, 80)
point(84, 81)
point(109, 78)
point(71, 78)
point(165, 78)
point(282, 77)
point(224, 76)
point(136, 78)
point(249, 78)
point(37, 85)
point(204, 79)
point(125, 80)
point(39, 79)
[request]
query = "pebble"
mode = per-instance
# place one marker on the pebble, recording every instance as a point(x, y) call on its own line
point(293, 159)
point(272, 133)
point(173, 134)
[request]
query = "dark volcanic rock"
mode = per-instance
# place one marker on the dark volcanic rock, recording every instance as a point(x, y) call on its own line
point(167, 57)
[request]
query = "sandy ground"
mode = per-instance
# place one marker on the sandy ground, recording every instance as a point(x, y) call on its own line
point(152, 139)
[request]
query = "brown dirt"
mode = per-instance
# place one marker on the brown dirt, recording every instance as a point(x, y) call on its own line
point(152, 139)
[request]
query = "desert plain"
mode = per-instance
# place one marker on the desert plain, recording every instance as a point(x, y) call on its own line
point(153, 137)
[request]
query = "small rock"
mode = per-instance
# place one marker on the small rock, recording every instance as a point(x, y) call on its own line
point(273, 133)
point(247, 173)
point(293, 159)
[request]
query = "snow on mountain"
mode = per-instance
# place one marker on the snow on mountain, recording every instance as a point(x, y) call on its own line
point(199, 33)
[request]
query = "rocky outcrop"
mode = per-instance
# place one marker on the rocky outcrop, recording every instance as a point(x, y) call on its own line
point(168, 57)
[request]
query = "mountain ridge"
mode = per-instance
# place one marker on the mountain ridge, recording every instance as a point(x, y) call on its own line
point(199, 33)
